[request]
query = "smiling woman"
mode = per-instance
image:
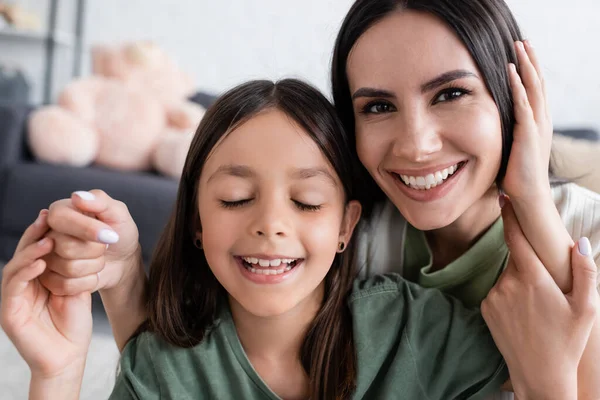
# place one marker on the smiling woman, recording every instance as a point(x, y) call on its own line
point(436, 92)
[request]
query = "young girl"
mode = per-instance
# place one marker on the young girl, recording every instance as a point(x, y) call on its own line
point(251, 291)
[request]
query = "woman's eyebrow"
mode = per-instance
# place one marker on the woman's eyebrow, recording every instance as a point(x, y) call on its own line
point(372, 92)
point(445, 78)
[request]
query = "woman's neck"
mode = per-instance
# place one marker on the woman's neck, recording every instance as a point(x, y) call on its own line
point(273, 344)
point(452, 241)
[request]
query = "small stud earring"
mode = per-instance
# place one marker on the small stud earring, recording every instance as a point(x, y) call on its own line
point(341, 247)
point(198, 243)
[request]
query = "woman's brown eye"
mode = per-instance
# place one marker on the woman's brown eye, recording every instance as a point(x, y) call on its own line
point(377, 108)
point(450, 94)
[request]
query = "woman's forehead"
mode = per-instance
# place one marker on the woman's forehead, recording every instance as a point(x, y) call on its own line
point(406, 46)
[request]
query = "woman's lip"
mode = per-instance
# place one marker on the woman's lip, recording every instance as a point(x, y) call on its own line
point(424, 171)
point(267, 279)
point(430, 194)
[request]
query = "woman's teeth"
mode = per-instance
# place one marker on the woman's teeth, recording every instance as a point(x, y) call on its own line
point(264, 267)
point(431, 180)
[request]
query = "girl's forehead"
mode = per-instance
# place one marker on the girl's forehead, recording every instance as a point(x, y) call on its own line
point(266, 142)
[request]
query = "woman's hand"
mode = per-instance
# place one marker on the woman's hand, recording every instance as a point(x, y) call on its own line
point(52, 333)
point(526, 178)
point(526, 181)
point(97, 248)
point(541, 332)
point(96, 243)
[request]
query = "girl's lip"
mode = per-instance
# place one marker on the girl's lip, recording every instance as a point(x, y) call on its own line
point(268, 279)
point(269, 257)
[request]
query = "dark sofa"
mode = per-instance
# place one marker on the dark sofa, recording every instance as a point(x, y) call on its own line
point(27, 186)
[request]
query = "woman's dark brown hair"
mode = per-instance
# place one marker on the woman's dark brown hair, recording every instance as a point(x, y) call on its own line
point(184, 295)
point(488, 30)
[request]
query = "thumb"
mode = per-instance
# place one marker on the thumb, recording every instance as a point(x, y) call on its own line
point(100, 205)
point(585, 273)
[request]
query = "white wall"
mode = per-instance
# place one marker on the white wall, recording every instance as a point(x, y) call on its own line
point(224, 42)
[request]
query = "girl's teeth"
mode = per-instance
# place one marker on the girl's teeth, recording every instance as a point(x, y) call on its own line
point(263, 263)
point(261, 271)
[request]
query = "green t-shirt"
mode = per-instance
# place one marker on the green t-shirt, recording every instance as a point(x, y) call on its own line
point(470, 277)
point(411, 343)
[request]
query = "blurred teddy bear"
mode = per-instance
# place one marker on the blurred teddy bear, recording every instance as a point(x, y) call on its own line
point(132, 114)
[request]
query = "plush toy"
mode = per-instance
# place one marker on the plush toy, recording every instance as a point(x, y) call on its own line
point(132, 114)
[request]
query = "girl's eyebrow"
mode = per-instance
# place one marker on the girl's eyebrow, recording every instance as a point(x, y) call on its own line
point(243, 171)
point(306, 173)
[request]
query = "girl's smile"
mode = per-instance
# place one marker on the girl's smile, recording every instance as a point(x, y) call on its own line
point(264, 269)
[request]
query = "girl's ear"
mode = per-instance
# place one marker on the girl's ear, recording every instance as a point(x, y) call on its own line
point(351, 218)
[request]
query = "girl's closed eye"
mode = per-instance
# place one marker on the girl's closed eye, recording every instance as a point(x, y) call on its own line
point(234, 203)
point(307, 207)
point(450, 94)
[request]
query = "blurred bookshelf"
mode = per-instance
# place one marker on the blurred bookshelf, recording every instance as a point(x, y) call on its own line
point(37, 51)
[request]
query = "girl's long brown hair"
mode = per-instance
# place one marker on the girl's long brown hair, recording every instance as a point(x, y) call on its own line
point(184, 295)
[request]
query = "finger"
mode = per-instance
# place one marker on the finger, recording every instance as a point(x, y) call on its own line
point(584, 294)
point(24, 267)
point(525, 259)
point(523, 112)
point(34, 232)
point(104, 207)
point(61, 286)
point(18, 283)
point(74, 268)
point(532, 82)
point(536, 64)
point(72, 248)
point(70, 221)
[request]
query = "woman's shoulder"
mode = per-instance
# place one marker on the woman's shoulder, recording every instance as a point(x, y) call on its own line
point(579, 209)
point(381, 241)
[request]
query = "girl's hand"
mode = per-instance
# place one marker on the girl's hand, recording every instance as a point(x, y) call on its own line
point(540, 331)
point(526, 176)
point(96, 244)
point(51, 333)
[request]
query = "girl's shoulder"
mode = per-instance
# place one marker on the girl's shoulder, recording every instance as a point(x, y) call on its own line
point(579, 209)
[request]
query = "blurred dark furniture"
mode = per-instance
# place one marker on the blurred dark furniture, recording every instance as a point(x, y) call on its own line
point(27, 186)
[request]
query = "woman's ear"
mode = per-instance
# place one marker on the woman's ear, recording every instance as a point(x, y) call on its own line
point(351, 218)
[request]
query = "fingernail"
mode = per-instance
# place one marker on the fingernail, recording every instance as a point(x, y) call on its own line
point(108, 236)
point(42, 242)
point(501, 200)
point(528, 43)
point(40, 219)
point(513, 67)
point(585, 248)
point(83, 195)
point(520, 45)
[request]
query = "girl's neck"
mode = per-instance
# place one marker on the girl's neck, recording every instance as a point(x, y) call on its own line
point(273, 344)
point(452, 241)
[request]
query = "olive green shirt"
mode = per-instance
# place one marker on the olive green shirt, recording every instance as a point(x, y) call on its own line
point(470, 277)
point(411, 343)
